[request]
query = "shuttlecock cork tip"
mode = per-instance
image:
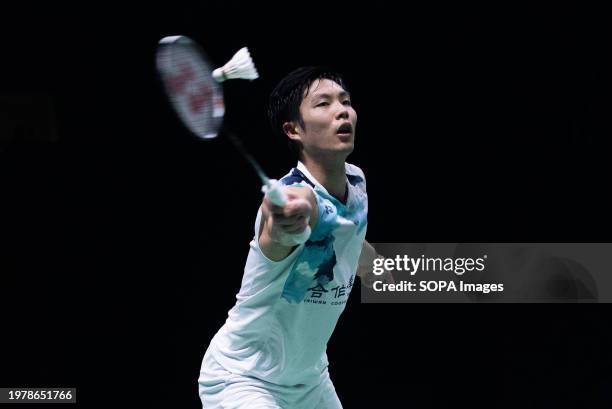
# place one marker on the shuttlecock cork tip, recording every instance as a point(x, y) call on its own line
point(219, 75)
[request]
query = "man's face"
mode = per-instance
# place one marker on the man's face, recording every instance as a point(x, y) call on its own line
point(329, 120)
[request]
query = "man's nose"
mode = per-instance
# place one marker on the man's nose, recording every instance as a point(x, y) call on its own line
point(343, 112)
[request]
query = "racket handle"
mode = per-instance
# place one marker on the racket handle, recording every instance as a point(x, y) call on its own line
point(273, 189)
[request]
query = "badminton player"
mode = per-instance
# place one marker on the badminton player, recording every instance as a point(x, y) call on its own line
point(271, 351)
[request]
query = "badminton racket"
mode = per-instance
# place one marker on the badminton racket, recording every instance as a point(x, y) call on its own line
point(191, 84)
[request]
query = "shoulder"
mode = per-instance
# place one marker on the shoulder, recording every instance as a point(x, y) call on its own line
point(354, 174)
point(296, 177)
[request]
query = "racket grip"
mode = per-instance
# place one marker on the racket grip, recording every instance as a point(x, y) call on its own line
point(273, 189)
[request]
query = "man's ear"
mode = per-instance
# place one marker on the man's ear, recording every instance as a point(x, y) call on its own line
point(291, 129)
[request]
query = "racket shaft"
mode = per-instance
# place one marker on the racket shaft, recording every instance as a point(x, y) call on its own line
point(240, 148)
point(273, 189)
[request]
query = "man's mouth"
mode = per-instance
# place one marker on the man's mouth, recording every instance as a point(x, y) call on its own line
point(345, 129)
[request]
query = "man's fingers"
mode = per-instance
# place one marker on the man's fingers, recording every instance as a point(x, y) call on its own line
point(297, 207)
point(274, 209)
point(293, 207)
point(288, 221)
point(296, 227)
point(292, 218)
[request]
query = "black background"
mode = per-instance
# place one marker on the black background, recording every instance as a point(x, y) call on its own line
point(125, 238)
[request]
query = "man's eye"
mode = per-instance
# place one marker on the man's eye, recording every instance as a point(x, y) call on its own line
point(347, 102)
point(322, 104)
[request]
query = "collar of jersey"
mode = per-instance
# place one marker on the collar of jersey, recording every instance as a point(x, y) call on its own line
point(302, 168)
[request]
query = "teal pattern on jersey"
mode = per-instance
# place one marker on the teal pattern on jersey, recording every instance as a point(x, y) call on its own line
point(315, 265)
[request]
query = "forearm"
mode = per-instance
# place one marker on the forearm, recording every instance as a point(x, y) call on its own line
point(272, 249)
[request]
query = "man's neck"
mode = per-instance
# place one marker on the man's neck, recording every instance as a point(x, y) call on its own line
point(330, 174)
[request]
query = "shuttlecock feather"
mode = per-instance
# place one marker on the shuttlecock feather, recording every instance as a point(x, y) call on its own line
point(240, 66)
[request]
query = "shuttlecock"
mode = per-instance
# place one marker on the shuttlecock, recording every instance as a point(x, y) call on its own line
point(240, 66)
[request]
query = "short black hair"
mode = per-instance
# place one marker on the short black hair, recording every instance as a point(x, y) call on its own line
point(286, 98)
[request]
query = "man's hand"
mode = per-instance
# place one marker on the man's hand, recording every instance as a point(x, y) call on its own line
point(299, 212)
point(366, 266)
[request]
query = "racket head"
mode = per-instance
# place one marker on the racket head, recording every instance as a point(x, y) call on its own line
point(194, 94)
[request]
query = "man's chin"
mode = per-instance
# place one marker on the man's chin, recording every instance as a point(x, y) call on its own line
point(345, 148)
point(338, 151)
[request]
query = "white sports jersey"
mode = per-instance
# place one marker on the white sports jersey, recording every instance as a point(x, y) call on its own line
point(287, 310)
